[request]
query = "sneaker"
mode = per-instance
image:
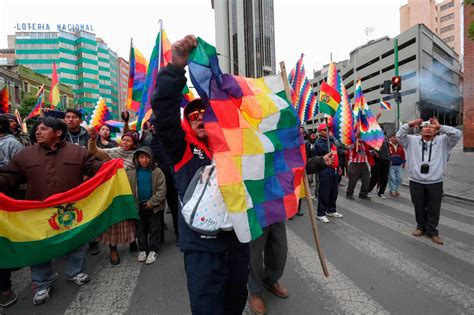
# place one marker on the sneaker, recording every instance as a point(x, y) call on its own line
point(369, 195)
point(382, 196)
point(80, 278)
point(41, 296)
point(323, 219)
point(7, 298)
point(141, 256)
point(151, 257)
point(334, 214)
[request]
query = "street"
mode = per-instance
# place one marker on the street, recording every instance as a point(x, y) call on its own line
point(375, 266)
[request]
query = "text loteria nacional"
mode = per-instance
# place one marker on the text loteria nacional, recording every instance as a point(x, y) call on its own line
point(24, 26)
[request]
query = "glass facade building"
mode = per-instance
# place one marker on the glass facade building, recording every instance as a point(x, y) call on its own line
point(246, 45)
point(83, 61)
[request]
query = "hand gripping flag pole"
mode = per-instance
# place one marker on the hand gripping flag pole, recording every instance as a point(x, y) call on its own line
point(309, 202)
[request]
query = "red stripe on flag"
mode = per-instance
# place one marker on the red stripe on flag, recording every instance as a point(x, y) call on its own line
point(329, 90)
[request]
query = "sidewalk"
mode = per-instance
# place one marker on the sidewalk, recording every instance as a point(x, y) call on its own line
point(459, 177)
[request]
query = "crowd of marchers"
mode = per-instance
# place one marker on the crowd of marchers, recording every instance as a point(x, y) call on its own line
point(222, 273)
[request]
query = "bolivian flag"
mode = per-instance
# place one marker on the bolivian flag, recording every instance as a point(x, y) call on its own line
point(33, 232)
point(329, 99)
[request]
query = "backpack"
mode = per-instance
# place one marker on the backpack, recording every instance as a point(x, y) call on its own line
point(204, 209)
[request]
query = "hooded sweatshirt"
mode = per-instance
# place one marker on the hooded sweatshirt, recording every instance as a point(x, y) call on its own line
point(440, 146)
point(80, 138)
point(9, 146)
point(157, 181)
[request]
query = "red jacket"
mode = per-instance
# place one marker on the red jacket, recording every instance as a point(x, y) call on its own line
point(397, 154)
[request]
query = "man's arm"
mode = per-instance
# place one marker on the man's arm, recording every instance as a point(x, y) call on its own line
point(402, 134)
point(166, 100)
point(453, 135)
point(159, 195)
point(91, 165)
point(11, 177)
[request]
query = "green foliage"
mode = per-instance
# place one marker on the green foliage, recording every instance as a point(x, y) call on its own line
point(471, 30)
point(27, 104)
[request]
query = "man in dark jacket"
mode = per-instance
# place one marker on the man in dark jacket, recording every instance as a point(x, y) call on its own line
point(216, 266)
point(328, 180)
point(381, 169)
point(49, 167)
point(75, 133)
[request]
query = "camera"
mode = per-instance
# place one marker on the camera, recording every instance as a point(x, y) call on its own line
point(425, 168)
point(425, 124)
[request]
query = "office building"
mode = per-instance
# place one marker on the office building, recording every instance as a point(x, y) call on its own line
point(245, 36)
point(124, 70)
point(431, 76)
point(83, 61)
point(442, 18)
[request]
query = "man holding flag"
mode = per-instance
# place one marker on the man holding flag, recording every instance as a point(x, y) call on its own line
point(49, 167)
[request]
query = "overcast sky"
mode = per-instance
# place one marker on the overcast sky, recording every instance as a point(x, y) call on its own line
point(313, 27)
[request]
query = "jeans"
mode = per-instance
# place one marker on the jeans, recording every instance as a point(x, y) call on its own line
point(150, 230)
point(42, 275)
point(395, 177)
point(217, 282)
point(268, 257)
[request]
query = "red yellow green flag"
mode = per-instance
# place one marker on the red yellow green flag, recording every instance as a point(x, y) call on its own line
point(328, 99)
point(32, 232)
point(54, 92)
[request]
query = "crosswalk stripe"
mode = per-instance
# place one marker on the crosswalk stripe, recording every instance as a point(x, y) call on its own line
point(452, 247)
point(444, 205)
point(426, 277)
point(110, 290)
point(344, 295)
point(21, 279)
point(451, 223)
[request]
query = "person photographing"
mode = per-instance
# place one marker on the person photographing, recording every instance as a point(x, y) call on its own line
point(427, 156)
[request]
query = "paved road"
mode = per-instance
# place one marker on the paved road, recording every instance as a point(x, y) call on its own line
point(376, 266)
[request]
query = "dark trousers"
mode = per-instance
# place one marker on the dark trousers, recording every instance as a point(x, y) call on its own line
point(171, 197)
point(427, 201)
point(150, 232)
point(217, 282)
point(268, 257)
point(358, 171)
point(5, 280)
point(379, 175)
point(328, 190)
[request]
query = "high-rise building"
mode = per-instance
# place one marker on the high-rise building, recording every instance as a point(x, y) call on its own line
point(430, 72)
point(245, 36)
point(442, 18)
point(83, 61)
point(123, 83)
point(468, 87)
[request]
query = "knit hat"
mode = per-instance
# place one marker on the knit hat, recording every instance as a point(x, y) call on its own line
point(133, 135)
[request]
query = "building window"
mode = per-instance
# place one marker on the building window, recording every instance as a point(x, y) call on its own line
point(448, 39)
point(447, 5)
point(447, 28)
point(447, 17)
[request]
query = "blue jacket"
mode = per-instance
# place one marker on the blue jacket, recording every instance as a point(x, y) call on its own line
point(321, 150)
point(186, 153)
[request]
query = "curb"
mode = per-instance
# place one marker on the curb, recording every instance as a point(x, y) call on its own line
point(451, 195)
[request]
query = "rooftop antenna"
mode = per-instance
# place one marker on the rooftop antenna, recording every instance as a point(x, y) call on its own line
point(368, 30)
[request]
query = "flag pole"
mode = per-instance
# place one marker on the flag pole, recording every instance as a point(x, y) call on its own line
point(309, 202)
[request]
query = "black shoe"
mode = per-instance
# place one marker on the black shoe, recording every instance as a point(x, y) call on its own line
point(133, 247)
point(350, 197)
point(165, 226)
point(365, 197)
point(7, 298)
point(94, 248)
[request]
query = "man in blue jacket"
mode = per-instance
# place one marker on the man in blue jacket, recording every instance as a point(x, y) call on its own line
point(328, 180)
point(216, 266)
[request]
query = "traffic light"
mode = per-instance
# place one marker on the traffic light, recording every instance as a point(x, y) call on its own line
point(396, 83)
point(386, 87)
point(398, 97)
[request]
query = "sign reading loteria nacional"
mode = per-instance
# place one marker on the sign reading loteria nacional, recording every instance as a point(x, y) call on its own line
point(59, 27)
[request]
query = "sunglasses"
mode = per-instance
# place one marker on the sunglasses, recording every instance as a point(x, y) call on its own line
point(193, 116)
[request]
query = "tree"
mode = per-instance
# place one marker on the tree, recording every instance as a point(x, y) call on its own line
point(27, 105)
point(470, 30)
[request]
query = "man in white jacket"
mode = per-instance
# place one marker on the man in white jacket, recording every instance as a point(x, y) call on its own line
point(427, 155)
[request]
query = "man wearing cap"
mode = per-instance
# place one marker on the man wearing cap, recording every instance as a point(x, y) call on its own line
point(427, 155)
point(217, 266)
point(328, 179)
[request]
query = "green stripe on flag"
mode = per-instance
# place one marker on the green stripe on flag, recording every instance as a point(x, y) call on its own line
point(255, 229)
point(22, 254)
point(326, 109)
